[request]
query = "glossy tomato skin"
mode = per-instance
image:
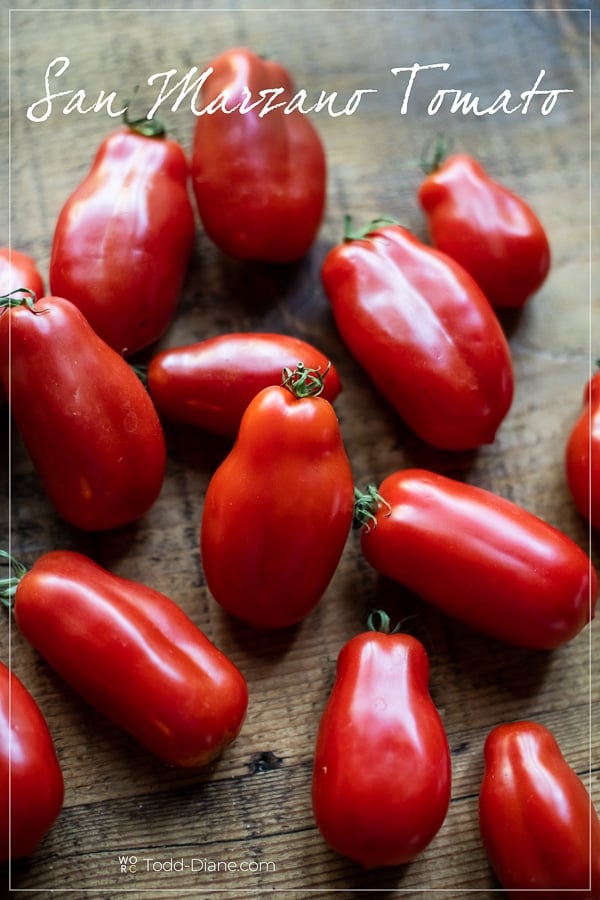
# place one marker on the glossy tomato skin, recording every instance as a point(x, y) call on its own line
point(87, 421)
point(31, 779)
point(19, 270)
point(381, 774)
point(481, 559)
point(582, 456)
point(536, 818)
point(134, 655)
point(424, 333)
point(486, 228)
point(278, 510)
point(124, 237)
point(259, 181)
point(210, 384)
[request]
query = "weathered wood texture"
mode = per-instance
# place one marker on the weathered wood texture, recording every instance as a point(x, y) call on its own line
point(253, 805)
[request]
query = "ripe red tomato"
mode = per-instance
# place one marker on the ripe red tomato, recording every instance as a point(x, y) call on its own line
point(87, 421)
point(278, 510)
point(18, 270)
point(424, 333)
point(31, 780)
point(537, 822)
point(381, 773)
point(582, 457)
point(486, 228)
point(210, 384)
point(481, 559)
point(259, 180)
point(124, 237)
point(134, 655)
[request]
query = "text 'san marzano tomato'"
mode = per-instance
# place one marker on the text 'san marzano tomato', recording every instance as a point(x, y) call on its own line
point(123, 239)
point(486, 228)
point(87, 421)
point(259, 181)
point(537, 822)
point(423, 331)
point(210, 384)
point(31, 780)
point(278, 510)
point(134, 655)
point(381, 774)
point(481, 559)
point(582, 457)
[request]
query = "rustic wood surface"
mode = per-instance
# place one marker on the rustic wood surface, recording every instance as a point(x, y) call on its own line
point(251, 809)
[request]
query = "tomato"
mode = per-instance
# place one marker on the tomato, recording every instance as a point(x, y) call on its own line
point(537, 822)
point(381, 772)
point(480, 558)
point(259, 178)
point(86, 420)
point(582, 456)
point(124, 237)
point(210, 384)
point(134, 655)
point(491, 231)
point(422, 330)
point(18, 270)
point(278, 510)
point(31, 780)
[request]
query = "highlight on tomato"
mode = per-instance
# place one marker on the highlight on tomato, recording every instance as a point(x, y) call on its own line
point(278, 510)
point(381, 771)
point(124, 237)
point(537, 821)
point(31, 779)
point(209, 384)
point(259, 178)
point(487, 228)
point(582, 455)
point(18, 270)
point(86, 420)
point(423, 332)
point(131, 653)
point(478, 557)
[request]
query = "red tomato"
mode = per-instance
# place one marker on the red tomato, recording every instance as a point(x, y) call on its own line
point(31, 779)
point(486, 228)
point(210, 384)
point(424, 333)
point(278, 510)
point(124, 237)
point(381, 775)
point(537, 822)
point(18, 270)
point(259, 180)
point(87, 421)
point(582, 457)
point(481, 559)
point(134, 655)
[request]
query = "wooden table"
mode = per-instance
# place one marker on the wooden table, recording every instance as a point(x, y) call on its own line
point(130, 822)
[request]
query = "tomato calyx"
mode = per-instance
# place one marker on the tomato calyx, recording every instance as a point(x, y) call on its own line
point(9, 585)
point(144, 126)
point(304, 381)
point(373, 225)
point(367, 504)
point(435, 152)
point(15, 298)
point(379, 621)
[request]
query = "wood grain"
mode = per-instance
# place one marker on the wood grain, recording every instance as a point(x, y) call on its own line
point(252, 806)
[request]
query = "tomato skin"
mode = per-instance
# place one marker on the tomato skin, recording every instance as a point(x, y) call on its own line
point(536, 818)
point(486, 228)
point(124, 237)
point(32, 785)
point(278, 510)
point(19, 270)
point(134, 655)
point(481, 559)
point(87, 421)
point(582, 455)
point(381, 773)
point(210, 384)
point(259, 182)
point(424, 333)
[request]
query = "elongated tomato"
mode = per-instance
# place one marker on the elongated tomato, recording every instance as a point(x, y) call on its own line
point(582, 455)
